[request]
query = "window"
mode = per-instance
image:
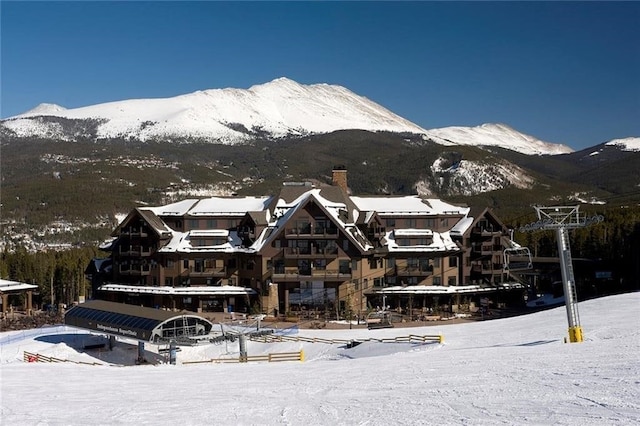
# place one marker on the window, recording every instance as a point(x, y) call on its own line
point(169, 263)
point(198, 265)
point(345, 245)
point(354, 265)
point(194, 223)
point(343, 267)
point(320, 264)
point(436, 262)
point(453, 262)
point(430, 223)
point(168, 281)
point(391, 223)
point(410, 223)
point(212, 223)
point(444, 222)
point(452, 280)
point(437, 281)
point(404, 242)
point(391, 262)
point(379, 282)
point(356, 284)
point(303, 226)
point(185, 263)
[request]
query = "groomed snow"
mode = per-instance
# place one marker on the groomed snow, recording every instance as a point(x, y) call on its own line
point(511, 371)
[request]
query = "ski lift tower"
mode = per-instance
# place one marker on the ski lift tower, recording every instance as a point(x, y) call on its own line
point(563, 218)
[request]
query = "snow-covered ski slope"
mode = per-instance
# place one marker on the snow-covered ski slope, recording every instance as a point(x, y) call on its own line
point(510, 371)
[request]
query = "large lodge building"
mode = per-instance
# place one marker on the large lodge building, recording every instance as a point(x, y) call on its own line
point(307, 250)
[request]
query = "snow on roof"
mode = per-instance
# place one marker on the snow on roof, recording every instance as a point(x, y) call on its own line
point(209, 232)
point(6, 285)
point(336, 210)
point(442, 242)
point(181, 291)
point(413, 232)
point(175, 209)
point(462, 226)
point(438, 289)
point(408, 205)
point(181, 243)
point(228, 206)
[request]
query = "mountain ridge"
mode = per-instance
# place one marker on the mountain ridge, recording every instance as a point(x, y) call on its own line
point(276, 109)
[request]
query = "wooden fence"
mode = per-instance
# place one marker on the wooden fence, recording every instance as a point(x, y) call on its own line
point(34, 357)
point(412, 338)
point(274, 357)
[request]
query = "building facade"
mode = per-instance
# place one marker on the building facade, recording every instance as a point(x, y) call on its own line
point(307, 251)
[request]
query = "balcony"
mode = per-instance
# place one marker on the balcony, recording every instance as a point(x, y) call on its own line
point(207, 272)
point(486, 231)
point(413, 271)
point(485, 249)
point(133, 232)
point(309, 252)
point(136, 270)
point(296, 274)
point(135, 251)
point(486, 268)
point(246, 232)
point(311, 232)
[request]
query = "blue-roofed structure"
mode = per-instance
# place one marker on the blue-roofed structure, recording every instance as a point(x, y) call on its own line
point(136, 322)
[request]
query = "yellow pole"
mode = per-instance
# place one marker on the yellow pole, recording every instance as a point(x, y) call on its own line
point(575, 334)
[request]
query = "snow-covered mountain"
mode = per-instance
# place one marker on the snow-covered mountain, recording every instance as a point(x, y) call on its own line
point(275, 109)
point(496, 135)
point(626, 144)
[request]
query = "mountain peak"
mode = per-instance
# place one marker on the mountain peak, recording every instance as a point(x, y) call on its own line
point(44, 109)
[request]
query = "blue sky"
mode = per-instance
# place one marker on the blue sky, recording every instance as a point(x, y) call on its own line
point(565, 72)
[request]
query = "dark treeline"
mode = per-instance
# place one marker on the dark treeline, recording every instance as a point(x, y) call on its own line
point(60, 273)
point(614, 243)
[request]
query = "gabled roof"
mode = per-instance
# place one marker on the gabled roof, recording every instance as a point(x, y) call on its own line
point(336, 210)
point(155, 223)
point(482, 213)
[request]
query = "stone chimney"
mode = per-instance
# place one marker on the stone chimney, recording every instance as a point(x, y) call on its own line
point(340, 177)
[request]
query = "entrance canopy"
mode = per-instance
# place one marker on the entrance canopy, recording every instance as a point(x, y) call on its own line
point(437, 290)
point(145, 324)
point(225, 290)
